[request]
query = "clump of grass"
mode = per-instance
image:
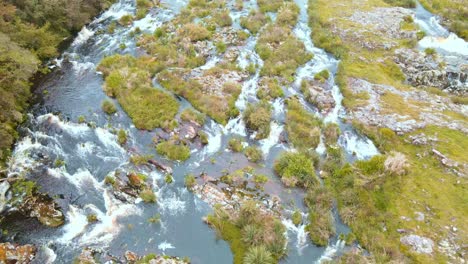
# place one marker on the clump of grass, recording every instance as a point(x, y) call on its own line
point(260, 179)
point(148, 196)
point(269, 5)
point(295, 169)
point(126, 20)
point(81, 119)
point(462, 100)
point(249, 227)
point(129, 80)
point(402, 3)
point(257, 255)
point(430, 52)
point(174, 149)
point(322, 76)
point(190, 181)
point(253, 154)
point(168, 179)
point(331, 132)
point(269, 89)
point(194, 32)
point(257, 117)
point(155, 219)
point(92, 218)
point(303, 128)
point(190, 115)
point(288, 14)
point(396, 164)
point(220, 108)
point(296, 217)
point(281, 51)
point(221, 47)
point(140, 159)
point(254, 22)
point(236, 144)
point(108, 107)
point(222, 18)
point(122, 137)
point(203, 137)
point(321, 226)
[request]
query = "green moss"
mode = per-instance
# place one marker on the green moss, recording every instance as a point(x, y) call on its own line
point(295, 169)
point(174, 150)
point(257, 117)
point(303, 127)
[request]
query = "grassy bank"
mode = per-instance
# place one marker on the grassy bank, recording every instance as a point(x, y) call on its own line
point(372, 198)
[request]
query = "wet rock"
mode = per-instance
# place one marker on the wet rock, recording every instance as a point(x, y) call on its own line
point(135, 180)
point(160, 166)
point(13, 253)
point(44, 209)
point(418, 244)
point(321, 98)
point(422, 70)
point(419, 216)
point(4, 187)
point(131, 256)
point(87, 256)
point(231, 54)
point(421, 139)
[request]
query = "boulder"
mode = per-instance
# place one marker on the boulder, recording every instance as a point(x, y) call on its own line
point(44, 209)
point(419, 244)
point(13, 253)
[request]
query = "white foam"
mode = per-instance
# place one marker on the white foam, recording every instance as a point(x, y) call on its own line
point(450, 44)
point(83, 36)
point(299, 231)
point(362, 147)
point(273, 138)
point(331, 251)
point(165, 245)
point(171, 203)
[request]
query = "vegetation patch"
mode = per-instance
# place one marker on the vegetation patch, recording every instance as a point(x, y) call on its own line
point(321, 224)
point(257, 117)
point(250, 228)
point(296, 169)
point(174, 149)
point(303, 127)
point(129, 81)
point(253, 154)
point(269, 89)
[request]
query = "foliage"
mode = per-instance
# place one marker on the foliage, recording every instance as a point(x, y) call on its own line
point(148, 196)
point(321, 224)
point(194, 32)
point(269, 5)
point(254, 22)
point(322, 76)
point(269, 89)
point(296, 217)
point(258, 255)
point(122, 137)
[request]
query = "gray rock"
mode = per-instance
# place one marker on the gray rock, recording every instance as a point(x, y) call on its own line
point(4, 186)
point(418, 244)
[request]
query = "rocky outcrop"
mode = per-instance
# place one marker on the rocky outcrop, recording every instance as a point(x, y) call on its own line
point(44, 209)
point(320, 97)
point(419, 244)
point(13, 253)
point(374, 111)
point(423, 70)
point(4, 187)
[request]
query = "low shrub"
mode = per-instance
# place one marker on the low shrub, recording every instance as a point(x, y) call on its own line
point(321, 224)
point(190, 181)
point(194, 32)
point(254, 22)
point(257, 117)
point(190, 115)
point(108, 107)
point(236, 144)
point(288, 14)
point(269, 89)
point(257, 255)
point(322, 76)
point(222, 18)
point(174, 150)
point(253, 153)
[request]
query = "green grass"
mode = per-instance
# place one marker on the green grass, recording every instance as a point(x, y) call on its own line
point(322, 76)
point(254, 22)
point(453, 12)
point(269, 89)
point(321, 224)
point(236, 144)
point(269, 5)
point(190, 115)
point(129, 80)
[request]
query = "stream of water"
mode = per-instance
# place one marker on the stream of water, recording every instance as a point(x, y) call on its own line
point(74, 89)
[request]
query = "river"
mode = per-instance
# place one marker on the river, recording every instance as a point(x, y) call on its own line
point(91, 151)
